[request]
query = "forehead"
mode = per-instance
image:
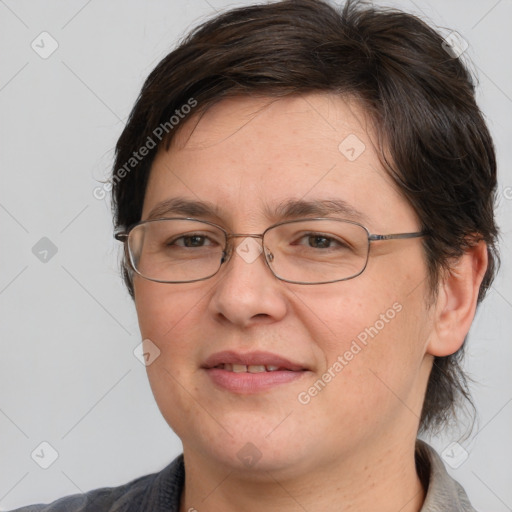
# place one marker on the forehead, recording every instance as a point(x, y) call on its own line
point(308, 123)
point(250, 155)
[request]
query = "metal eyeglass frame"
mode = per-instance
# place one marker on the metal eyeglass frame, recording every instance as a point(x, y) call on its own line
point(227, 252)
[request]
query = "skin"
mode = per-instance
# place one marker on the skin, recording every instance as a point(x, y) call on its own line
point(352, 446)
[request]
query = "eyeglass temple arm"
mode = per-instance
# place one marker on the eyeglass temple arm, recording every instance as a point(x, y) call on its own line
point(397, 236)
point(122, 237)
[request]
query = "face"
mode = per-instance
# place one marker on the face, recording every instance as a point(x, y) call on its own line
point(351, 354)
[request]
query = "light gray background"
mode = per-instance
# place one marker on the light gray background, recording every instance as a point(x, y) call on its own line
point(68, 375)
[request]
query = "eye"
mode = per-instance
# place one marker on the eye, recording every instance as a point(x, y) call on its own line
point(321, 241)
point(192, 240)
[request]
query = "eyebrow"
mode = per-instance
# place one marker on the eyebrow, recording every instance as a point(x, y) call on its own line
point(289, 209)
point(183, 206)
point(319, 208)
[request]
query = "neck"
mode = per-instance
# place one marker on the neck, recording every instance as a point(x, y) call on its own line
point(384, 480)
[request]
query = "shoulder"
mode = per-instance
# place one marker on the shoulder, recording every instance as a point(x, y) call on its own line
point(442, 491)
point(150, 492)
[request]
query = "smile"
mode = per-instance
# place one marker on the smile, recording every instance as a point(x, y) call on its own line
point(252, 368)
point(254, 372)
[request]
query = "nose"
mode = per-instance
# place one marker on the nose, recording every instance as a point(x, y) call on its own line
point(246, 291)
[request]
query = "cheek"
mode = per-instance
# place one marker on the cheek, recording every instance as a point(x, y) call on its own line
point(162, 310)
point(340, 315)
point(372, 342)
point(170, 318)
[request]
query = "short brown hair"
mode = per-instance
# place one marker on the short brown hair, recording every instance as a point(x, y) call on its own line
point(420, 98)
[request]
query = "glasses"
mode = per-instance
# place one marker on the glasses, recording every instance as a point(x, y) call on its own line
point(304, 251)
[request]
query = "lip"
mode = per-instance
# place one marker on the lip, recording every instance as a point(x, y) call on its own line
point(247, 383)
point(251, 358)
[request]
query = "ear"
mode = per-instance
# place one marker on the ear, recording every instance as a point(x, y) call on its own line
point(456, 302)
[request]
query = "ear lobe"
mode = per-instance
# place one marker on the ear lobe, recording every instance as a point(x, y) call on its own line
point(456, 302)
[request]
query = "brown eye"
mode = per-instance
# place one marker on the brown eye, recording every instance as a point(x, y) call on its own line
point(319, 242)
point(194, 241)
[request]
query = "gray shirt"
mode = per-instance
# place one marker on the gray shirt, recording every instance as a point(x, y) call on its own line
point(161, 492)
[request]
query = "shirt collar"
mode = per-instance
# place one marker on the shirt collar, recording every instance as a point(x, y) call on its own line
point(442, 491)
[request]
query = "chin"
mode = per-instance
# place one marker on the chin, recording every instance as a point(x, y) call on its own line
point(255, 447)
point(257, 461)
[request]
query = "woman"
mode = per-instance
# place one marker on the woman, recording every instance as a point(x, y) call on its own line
point(288, 192)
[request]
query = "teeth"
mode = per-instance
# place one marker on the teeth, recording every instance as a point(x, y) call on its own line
point(252, 368)
point(256, 368)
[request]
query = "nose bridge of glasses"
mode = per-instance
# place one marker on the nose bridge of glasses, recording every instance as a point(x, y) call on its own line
point(230, 236)
point(230, 246)
point(244, 235)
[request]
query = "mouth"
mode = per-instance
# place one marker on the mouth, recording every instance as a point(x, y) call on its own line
point(251, 372)
point(252, 368)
